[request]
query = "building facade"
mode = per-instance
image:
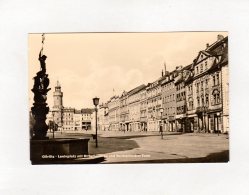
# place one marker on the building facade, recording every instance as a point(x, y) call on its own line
point(192, 98)
point(134, 108)
point(114, 113)
point(67, 118)
point(169, 102)
point(154, 101)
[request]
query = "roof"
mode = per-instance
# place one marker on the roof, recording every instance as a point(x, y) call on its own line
point(217, 43)
point(137, 89)
point(87, 110)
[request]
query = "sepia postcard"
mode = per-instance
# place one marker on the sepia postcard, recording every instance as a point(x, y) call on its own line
point(128, 97)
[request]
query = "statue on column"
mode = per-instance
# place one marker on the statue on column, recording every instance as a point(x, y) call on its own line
point(40, 89)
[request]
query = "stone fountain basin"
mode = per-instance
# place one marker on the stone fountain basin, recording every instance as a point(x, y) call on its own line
point(58, 148)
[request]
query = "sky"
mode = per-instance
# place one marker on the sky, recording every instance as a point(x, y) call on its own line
point(101, 65)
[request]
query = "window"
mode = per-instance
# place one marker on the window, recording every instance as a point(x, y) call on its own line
point(216, 97)
point(198, 101)
point(202, 101)
point(197, 70)
point(214, 81)
point(207, 101)
point(201, 68)
point(201, 85)
point(205, 65)
point(206, 83)
point(218, 79)
point(191, 105)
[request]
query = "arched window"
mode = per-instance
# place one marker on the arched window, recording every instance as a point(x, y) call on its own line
point(191, 105)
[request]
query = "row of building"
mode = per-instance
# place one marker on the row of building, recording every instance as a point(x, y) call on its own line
point(192, 98)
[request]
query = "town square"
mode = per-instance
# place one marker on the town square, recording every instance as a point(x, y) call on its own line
point(106, 113)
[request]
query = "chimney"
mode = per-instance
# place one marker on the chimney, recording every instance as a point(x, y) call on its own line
point(207, 45)
point(220, 37)
point(162, 73)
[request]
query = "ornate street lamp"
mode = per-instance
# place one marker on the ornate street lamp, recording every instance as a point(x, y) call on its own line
point(161, 122)
point(96, 102)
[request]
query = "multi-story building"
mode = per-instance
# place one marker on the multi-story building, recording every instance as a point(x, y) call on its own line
point(143, 109)
point(169, 101)
point(124, 113)
point(154, 101)
point(208, 93)
point(114, 113)
point(134, 108)
point(180, 100)
point(87, 118)
point(68, 119)
point(102, 117)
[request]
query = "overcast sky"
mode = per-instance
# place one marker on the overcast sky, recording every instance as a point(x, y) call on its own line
point(93, 64)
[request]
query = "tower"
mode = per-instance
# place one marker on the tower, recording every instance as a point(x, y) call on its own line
point(58, 105)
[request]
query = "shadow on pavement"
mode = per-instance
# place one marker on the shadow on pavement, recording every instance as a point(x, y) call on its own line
point(108, 145)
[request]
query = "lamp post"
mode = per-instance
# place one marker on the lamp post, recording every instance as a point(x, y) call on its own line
point(96, 102)
point(161, 122)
